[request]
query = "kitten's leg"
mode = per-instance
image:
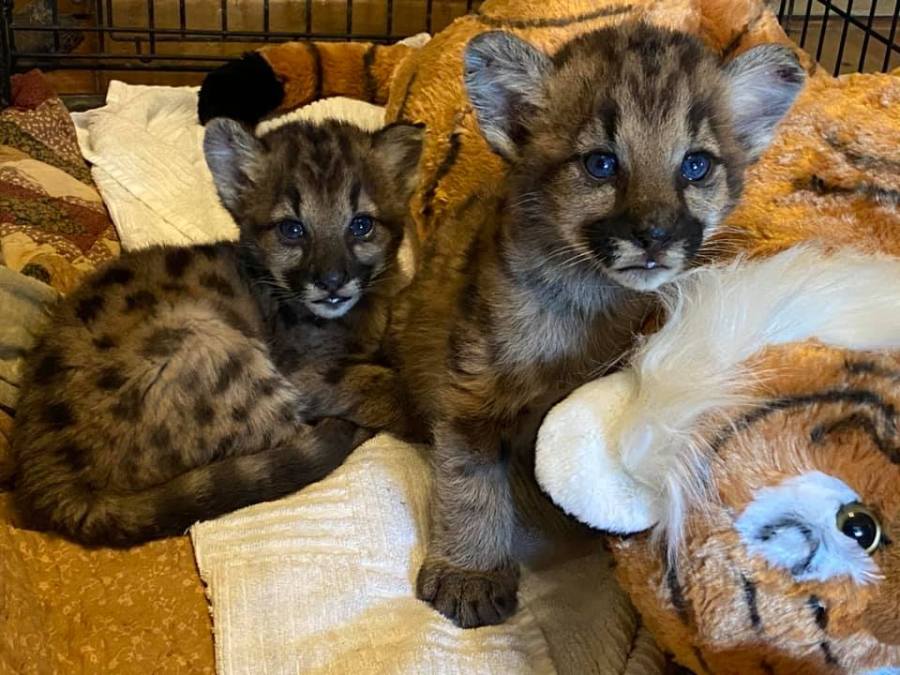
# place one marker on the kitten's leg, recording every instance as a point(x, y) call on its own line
point(368, 395)
point(469, 574)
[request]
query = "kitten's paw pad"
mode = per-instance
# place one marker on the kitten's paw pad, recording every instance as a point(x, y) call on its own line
point(469, 598)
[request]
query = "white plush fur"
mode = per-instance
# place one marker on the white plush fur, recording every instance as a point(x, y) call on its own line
point(718, 317)
point(583, 472)
point(689, 373)
point(793, 526)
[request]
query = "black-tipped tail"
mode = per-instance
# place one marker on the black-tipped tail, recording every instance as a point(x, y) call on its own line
point(245, 90)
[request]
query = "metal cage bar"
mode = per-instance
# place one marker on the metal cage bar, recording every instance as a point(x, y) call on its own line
point(8, 48)
point(858, 37)
point(170, 39)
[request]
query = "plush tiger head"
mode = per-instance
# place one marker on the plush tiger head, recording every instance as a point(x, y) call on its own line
point(758, 471)
point(795, 568)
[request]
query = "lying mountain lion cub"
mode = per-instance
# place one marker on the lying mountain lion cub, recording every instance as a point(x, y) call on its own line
point(178, 384)
point(624, 151)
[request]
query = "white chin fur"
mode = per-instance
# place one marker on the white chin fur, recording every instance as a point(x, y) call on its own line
point(644, 280)
point(326, 311)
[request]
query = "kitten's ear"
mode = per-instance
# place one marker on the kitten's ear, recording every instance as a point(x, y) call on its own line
point(396, 150)
point(765, 80)
point(503, 75)
point(233, 156)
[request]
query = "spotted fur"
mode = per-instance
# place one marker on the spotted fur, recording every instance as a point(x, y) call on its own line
point(178, 384)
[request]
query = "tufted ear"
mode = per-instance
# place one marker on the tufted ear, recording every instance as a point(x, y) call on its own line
point(396, 151)
point(233, 155)
point(765, 80)
point(503, 77)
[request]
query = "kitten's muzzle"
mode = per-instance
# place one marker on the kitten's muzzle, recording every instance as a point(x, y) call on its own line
point(330, 301)
point(653, 239)
point(331, 281)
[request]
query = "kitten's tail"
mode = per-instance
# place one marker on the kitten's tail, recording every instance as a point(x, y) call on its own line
point(278, 78)
point(169, 509)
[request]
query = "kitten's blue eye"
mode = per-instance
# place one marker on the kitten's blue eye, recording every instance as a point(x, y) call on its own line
point(695, 166)
point(292, 230)
point(361, 226)
point(601, 165)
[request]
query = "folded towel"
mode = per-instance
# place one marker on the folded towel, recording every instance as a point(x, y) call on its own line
point(323, 582)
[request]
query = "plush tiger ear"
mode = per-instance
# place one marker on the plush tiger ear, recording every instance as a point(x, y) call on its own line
point(503, 77)
point(579, 461)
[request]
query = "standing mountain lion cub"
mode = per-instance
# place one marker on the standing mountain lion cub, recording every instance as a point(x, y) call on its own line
point(178, 384)
point(624, 151)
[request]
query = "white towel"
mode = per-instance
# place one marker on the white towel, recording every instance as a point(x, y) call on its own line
point(322, 582)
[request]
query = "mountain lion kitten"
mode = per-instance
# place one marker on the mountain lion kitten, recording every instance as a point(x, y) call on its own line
point(624, 151)
point(178, 384)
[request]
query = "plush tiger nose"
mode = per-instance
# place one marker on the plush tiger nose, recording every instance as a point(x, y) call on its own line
point(653, 238)
point(331, 281)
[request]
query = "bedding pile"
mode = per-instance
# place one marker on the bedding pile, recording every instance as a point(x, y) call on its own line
point(64, 608)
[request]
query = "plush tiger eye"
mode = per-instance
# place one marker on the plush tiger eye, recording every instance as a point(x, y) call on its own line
point(860, 524)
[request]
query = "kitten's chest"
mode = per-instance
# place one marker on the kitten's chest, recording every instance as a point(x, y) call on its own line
point(309, 344)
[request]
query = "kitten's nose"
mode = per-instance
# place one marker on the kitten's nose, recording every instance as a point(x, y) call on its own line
point(331, 281)
point(653, 238)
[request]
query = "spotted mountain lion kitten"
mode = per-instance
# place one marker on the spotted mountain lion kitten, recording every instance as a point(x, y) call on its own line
point(624, 151)
point(178, 384)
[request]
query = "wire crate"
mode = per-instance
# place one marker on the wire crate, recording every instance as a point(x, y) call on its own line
point(845, 36)
point(82, 44)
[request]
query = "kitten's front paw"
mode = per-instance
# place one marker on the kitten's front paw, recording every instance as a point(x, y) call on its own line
point(469, 598)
